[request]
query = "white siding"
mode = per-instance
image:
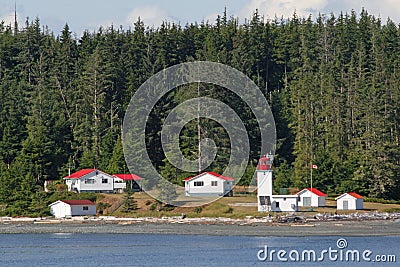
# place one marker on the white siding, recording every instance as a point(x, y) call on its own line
point(353, 203)
point(287, 203)
point(61, 210)
point(119, 184)
point(78, 210)
point(264, 183)
point(316, 201)
point(92, 182)
point(221, 188)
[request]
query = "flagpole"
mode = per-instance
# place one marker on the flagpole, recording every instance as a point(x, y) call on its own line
point(312, 167)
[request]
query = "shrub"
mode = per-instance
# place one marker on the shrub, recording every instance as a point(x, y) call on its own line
point(198, 210)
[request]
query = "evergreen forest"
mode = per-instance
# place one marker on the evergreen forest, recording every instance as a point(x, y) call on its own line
point(332, 82)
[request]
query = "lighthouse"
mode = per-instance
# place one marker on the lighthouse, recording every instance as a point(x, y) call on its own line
point(264, 182)
point(265, 198)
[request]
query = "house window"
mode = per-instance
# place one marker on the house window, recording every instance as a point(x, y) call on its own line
point(199, 183)
point(284, 199)
point(89, 181)
point(277, 204)
point(104, 181)
point(214, 183)
point(85, 208)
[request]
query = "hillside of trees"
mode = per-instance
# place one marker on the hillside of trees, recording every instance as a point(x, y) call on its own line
point(332, 82)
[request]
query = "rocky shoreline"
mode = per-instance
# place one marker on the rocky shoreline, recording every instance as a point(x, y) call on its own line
point(365, 224)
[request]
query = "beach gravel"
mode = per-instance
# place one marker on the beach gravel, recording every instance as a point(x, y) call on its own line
point(346, 228)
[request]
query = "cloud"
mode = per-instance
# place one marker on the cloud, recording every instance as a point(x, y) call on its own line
point(285, 8)
point(381, 8)
point(151, 15)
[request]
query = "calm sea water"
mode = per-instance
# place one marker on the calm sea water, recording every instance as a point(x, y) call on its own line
point(178, 250)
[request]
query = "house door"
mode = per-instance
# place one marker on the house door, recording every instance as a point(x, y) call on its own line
point(307, 201)
point(345, 204)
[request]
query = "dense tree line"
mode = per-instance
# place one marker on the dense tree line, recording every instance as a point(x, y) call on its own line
point(333, 84)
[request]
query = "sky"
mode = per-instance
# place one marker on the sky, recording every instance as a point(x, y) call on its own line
point(91, 14)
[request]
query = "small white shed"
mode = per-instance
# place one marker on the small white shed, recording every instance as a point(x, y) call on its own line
point(311, 197)
point(208, 184)
point(350, 201)
point(69, 208)
point(285, 203)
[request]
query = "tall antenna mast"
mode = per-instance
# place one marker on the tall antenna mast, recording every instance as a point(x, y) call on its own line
point(198, 124)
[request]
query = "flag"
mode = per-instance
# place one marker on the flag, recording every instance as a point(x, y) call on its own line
point(314, 167)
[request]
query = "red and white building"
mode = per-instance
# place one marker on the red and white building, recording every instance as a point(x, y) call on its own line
point(208, 184)
point(93, 180)
point(266, 200)
point(311, 197)
point(90, 180)
point(121, 180)
point(69, 208)
point(350, 201)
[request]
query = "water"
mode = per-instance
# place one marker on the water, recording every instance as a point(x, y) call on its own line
point(176, 250)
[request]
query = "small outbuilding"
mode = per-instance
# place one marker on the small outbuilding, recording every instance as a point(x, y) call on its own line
point(208, 184)
point(350, 201)
point(69, 208)
point(285, 203)
point(311, 197)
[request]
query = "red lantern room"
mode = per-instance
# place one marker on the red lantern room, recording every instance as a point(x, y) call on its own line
point(265, 162)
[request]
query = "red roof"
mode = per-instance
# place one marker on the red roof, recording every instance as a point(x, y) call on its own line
point(315, 191)
point(211, 173)
point(73, 202)
point(128, 177)
point(353, 194)
point(79, 174)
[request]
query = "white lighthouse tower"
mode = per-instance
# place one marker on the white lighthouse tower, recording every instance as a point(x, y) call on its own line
point(264, 182)
point(265, 198)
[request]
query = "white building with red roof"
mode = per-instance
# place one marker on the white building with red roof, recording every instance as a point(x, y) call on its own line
point(69, 208)
point(93, 180)
point(350, 201)
point(90, 180)
point(121, 180)
point(208, 184)
point(311, 197)
point(266, 200)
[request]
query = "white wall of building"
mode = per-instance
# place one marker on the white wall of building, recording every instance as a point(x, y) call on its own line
point(264, 183)
point(316, 201)
point(94, 181)
point(285, 203)
point(83, 210)
point(208, 184)
point(61, 210)
point(119, 184)
point(352, 203)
